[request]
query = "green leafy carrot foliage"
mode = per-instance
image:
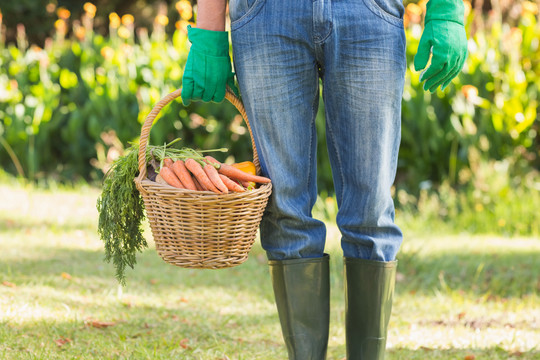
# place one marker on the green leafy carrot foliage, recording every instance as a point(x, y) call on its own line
point(121, 207)
point(121, 213)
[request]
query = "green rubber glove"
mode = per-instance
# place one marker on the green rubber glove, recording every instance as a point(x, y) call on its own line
point(208, 68)
point(445, 39)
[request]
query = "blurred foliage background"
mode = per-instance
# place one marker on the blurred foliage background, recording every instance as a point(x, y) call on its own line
point(78, 78)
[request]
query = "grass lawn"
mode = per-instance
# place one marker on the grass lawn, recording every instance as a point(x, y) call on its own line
point(457, 296)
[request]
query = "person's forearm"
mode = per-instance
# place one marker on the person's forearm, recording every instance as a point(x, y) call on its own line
point(211, 14)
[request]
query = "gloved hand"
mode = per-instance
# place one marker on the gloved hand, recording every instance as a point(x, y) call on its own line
point(208, 68)
point(444, 37)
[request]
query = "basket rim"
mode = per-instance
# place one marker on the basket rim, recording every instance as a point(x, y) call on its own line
point(168, 191)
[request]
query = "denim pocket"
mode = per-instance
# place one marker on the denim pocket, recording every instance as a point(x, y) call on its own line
point(389, 10)
point(243, 11)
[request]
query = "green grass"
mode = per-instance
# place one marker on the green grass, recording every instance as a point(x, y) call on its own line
point(456, 295)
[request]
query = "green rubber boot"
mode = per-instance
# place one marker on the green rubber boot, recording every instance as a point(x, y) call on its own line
point(369, 289)
point(302, 293)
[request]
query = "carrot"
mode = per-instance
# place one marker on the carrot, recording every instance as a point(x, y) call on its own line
point(196, 169)
point(237, 174)
point(168, 162)
point(248, 167)
point(168, 175)
point(213, 175)
point(183, 174)
point(197, 185)
point(231, 184)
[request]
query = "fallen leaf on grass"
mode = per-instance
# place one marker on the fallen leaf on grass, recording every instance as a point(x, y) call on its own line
point(99, 324)
point(62, 341)
point(9, 284)
point(183, 343)
point(261, 259)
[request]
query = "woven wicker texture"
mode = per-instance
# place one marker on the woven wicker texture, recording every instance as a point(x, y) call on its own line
point(200, 229)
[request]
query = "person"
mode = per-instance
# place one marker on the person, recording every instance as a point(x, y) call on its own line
point(281, 50)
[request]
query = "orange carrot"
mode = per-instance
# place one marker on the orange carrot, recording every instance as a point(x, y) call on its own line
point(213, 175)
point(168, 162)
point(183, 174)
point(231, 185)
point(168, 175)
point(237, 174)
point(197, 185)
point(248, 167)
point(196, 169)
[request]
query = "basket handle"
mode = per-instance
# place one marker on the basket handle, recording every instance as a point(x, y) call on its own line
point(149, 121)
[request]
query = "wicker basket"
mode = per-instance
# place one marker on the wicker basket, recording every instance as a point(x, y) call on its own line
point(200, 229)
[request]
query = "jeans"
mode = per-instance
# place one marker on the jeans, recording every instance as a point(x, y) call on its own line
point(357, 48)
